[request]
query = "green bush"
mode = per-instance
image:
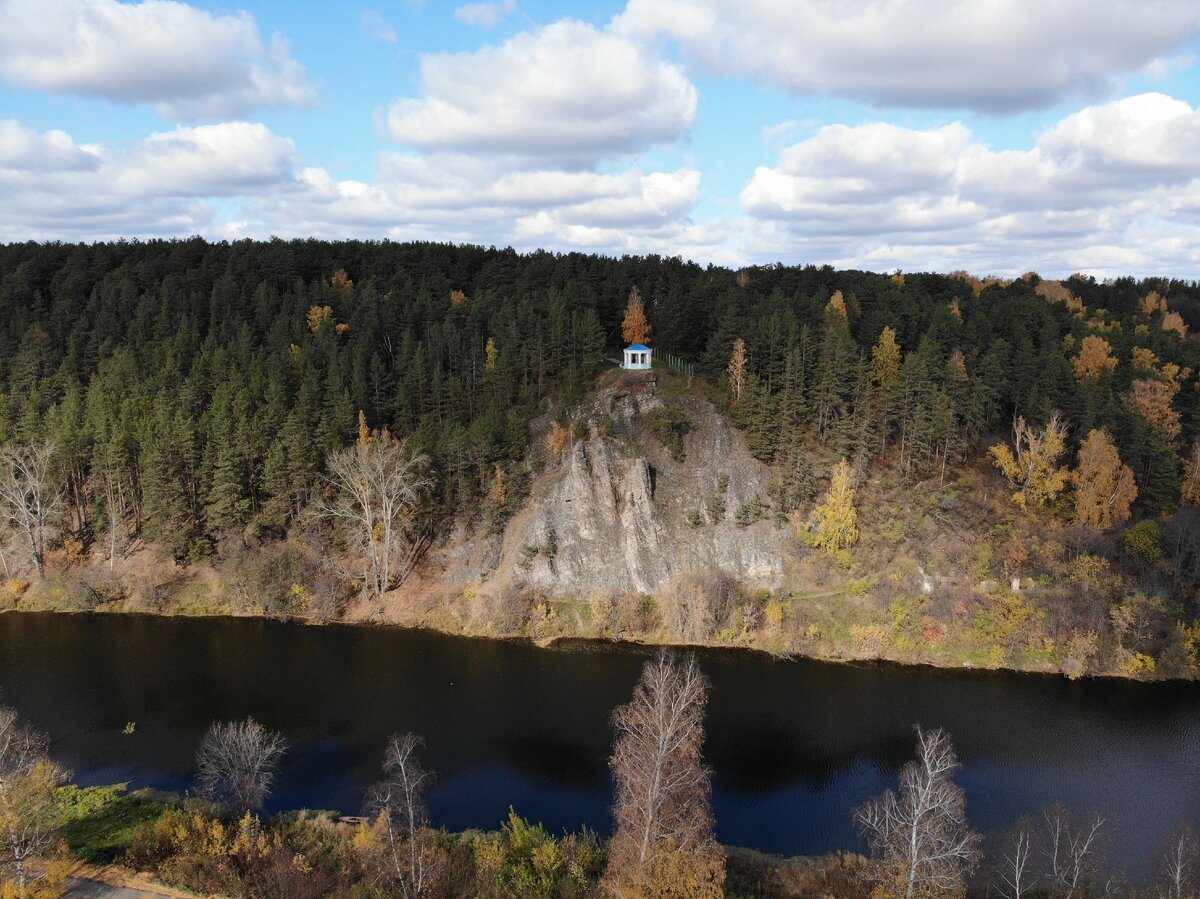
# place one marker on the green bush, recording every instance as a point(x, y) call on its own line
point(670, 424)
point(1142, 542)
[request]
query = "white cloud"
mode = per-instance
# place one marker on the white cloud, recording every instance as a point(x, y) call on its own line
point(566, 92)
point(485, 15)
point(22, 149)
point(164, 185)
point(990, 56)
point(187, 62)
point(378, 27)
point(240, 179)
point(1112, 186)
point(461, 198)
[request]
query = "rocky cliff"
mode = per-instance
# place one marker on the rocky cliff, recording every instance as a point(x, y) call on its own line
point(613, 510)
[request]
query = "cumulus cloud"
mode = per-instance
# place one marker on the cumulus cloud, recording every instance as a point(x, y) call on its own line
point(240, 179)
point(485, 15)
point(991, 57)
point(566, 92)
point(187, 62)
point(461, 198)
point(56, 189)
point(1112, 186)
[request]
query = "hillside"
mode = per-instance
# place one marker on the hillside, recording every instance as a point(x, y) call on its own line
point(1012, 462)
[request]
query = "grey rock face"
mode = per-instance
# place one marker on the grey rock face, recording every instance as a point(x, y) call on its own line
point(617, 513)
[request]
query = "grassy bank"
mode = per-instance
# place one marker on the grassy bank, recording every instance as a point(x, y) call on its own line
point(146, 838)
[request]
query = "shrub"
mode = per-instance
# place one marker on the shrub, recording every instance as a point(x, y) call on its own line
point(670, 424)
point(1141, 542)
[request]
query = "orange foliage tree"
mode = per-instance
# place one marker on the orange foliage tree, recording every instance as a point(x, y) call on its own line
point(635, 328)
point(1104, 487)
point(1151, 398)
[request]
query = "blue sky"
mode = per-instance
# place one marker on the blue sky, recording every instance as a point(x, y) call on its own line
point(996, 136)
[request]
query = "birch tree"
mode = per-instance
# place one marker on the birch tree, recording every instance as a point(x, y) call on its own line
point(376, 486)
point(1073, 852)
point(236, 764)
point(920, 836)
point(29, 494)
point(398, 803)
point(29, 812)
point(663, 843)
point(1015, 874)
point(1179, 866)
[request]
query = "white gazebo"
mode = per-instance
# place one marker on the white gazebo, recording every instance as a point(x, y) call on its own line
point(637, 357)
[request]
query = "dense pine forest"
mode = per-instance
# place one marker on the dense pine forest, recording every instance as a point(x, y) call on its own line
point(193, 395)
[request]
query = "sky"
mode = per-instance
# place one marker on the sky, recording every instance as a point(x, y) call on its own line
point(992, 136)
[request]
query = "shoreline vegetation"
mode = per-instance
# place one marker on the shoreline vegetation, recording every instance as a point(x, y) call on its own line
point(569, 642)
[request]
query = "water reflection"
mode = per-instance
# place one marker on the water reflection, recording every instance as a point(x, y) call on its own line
point(794, 745)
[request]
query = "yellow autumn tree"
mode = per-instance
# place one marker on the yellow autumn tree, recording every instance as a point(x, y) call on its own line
point(317, 316)
point(1173, 321)
point(837, 516)
point(737, 369)
point(1104, 487)
point(837, 303)
point(1151, 398)
point(1145, 362)
point(635, 328)
point(491, 353)
point(1031, 465)
point(1153, 303)
point(340, 281)
point(1190, 491)
point(1095, 359)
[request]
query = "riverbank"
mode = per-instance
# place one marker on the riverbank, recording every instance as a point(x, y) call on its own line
point(164, 845)
point(850, 631)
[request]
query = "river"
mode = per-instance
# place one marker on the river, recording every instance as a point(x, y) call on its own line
point(794, 745)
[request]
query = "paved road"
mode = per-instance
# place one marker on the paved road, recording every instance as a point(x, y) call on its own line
point(79, 888)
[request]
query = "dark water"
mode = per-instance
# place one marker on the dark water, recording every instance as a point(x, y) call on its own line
point(794, 745)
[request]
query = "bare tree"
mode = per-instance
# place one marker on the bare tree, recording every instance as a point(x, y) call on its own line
point(236, 764)
point(1177, 869)
point(1015, 874)
point(30, 494)
point(921, 836)
point(1073, 853)
point(663, 842)
point(399, 803)
point(377, 486)
point(29, 812)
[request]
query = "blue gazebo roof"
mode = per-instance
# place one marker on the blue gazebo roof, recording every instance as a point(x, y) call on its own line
point(639, 347)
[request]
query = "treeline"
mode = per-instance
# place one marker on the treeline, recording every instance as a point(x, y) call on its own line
point(194, 390)
point(663, 843)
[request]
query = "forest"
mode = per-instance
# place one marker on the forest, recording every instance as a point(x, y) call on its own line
point(212, 400)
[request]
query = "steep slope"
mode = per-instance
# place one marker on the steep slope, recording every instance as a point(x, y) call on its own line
point(614, 512)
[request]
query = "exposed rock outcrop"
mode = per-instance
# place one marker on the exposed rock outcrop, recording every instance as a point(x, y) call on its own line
point(614, 512)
